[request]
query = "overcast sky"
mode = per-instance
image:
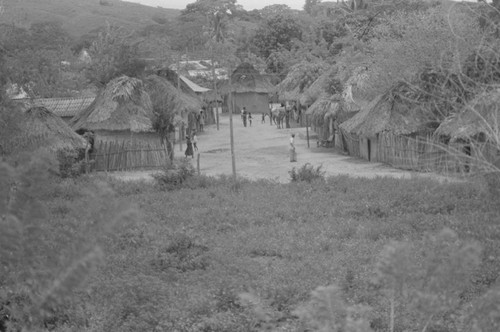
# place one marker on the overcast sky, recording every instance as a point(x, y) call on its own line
point(247, 4)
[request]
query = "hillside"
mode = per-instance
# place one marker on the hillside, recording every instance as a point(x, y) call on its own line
point(78, 17)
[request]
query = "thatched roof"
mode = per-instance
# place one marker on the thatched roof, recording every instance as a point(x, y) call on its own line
point(324, 108)
point(317, 90)
point(299, 78)
point(42, 129)
point(164, 94)
point(480, 116)
point(245, 78)
point(389, 112)
point(122, 105)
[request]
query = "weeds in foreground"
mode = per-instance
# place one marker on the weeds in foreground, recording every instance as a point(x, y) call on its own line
point(307, 173)
point(337, 254)
point(175, 174)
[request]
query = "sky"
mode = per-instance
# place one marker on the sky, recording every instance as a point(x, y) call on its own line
point(247, 4)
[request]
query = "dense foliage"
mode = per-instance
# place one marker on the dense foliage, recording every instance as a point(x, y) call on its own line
point(340, 254)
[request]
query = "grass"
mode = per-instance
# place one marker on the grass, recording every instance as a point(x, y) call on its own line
point(209, 257)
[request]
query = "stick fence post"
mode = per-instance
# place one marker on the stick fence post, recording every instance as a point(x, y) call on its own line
point(198, 163)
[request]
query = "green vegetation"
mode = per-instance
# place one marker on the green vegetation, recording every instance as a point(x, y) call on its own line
point(342, 254)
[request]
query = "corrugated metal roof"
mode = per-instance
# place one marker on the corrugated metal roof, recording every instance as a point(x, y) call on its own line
point(63, 107)
point(192, 85)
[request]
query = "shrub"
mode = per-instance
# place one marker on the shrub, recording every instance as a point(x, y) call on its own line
point(70, 165)
point(307, 173)
point(174, 175)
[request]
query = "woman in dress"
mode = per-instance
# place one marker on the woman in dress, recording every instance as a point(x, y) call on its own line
point(189, 147)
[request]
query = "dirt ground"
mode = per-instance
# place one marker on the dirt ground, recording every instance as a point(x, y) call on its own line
point(261, 152)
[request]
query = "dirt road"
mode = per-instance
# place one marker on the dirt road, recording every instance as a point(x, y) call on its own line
point(261, 151)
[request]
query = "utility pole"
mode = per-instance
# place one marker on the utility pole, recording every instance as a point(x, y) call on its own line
point(181, 127)
point(231, 135)
point(215, 90)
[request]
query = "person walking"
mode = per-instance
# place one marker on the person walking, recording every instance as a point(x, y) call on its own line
point(244, 116)
point(189, 147)
point(293, 154)
point(202, 120)
point(194, 139)
point(250, 119)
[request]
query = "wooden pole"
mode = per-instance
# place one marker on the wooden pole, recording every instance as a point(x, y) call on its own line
point(307, 131)
point(231, 135)
point(198, 163)
point(181, 130)
point(215, 90)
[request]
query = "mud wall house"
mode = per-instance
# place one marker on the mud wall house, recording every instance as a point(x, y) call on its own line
point(122, 111)
point(249, 89)
point(473, 134)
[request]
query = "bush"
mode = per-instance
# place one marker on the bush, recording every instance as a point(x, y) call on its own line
point(70, 165)
point(307, 173)
point(175, 174)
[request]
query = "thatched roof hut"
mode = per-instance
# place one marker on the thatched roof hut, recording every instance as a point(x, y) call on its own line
point(164, 94)
point(478, 120)
point(300, 77)
point(324, 108)
point(40, 128)
point(245, 78)
point(123, 105)
point(391, 112)
point(249, 88)
point(317, 90)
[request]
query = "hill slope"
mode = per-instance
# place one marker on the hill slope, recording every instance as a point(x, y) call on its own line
point(78, 17)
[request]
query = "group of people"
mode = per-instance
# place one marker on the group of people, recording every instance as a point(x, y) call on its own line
point(246, 117)
point(191, 144)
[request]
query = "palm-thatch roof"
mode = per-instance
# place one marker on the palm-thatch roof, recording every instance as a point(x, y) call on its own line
point(317, 90)
point(163, 94)
point(299, 78)
point(40, 128)
point(392, 112)
point(479, 117)
point(245, 78)
point(324, 108)
point(123, 104)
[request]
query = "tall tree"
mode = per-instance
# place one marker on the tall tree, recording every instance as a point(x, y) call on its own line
point(215, 12)
point(309, 5)
point(277, 32)
point(113, 54)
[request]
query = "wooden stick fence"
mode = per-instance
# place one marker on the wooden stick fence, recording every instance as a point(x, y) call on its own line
point(126, 156)
point(424, 154)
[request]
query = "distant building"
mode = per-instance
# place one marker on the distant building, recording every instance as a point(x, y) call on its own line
point(200, 68)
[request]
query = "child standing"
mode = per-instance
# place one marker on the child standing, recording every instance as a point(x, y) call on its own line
point(195, 141)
